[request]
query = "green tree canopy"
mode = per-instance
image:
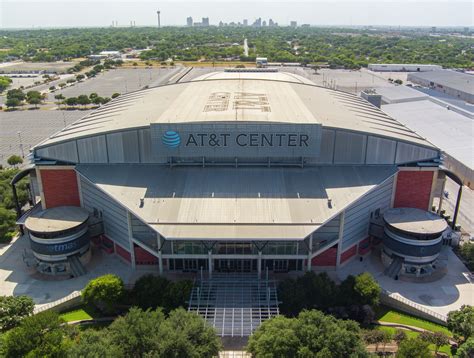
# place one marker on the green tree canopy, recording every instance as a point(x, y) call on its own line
point(311, 334)
point(14, 160)
point(4, 83)
point(104, 292)
point(466, 350)
point(14, 309)
point(413, 348)
point(367, 289)
point(149, 334)
point(461, 322)
point(41, 335)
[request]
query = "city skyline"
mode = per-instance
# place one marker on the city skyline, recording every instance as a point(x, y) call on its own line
point(28, 14)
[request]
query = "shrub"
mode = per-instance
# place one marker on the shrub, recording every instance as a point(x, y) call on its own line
point(104, 292)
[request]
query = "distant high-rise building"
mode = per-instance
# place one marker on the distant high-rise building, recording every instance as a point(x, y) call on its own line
point(221, 23)
point(246, 22)
point(264, 23)
point(258, 22)
point(189, 21)
point(433, 29)
point(205, 21)
point(293, 24)
point(271, 23)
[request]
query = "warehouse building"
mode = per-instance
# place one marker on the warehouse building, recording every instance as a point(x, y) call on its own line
point(236, 172)
point(456, 84)
point(402, 67)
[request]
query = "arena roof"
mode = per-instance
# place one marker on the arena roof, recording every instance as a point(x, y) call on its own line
point(286, 98)
point(230, 204)
point(56, 219)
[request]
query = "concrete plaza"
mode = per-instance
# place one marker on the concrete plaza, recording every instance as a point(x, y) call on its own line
point(449, 293)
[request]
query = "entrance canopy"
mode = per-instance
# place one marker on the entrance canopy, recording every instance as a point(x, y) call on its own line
point(224, 203)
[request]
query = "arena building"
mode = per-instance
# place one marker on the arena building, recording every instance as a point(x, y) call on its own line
point(237, 172)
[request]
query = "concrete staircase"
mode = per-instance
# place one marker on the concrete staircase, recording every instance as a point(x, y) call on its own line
point(394, 269)
point(77, 268)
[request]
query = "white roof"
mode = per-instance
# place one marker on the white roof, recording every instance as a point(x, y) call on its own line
point(451, 132)
point(290, 98)
point(235, 203)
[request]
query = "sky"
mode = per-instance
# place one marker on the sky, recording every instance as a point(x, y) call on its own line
point(89, 13)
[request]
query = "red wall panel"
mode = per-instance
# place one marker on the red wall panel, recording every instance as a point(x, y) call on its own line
point(60, 187)
point(119, 250)
point(365, 246)
point(346, 255)
point(327, 258)
point(143, 257)
point(413, 189)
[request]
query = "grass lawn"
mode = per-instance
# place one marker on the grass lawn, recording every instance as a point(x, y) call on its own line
point(79, 313)
point(384, 314)
point(410, 334)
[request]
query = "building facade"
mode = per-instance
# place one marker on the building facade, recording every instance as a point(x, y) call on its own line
point(239, 172)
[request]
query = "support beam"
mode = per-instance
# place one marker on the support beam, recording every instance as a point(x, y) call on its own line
point(259, 264)
point(310, 252)
point(209, 262)
point(160, 255)
point(130, 240)
point(340, 237)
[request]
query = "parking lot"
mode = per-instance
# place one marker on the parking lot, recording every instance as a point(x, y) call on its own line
point(119, 81)
point(27, 128)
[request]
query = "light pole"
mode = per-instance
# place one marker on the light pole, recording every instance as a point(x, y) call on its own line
point(21, 145)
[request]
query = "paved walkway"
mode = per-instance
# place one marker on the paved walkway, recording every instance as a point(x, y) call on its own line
point(448, 293)
point(17, 279)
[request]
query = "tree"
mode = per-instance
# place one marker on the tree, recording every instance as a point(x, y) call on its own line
point(115, 95)
point(59, 99)
point(467, 253)
point(177, 294)
point(186, 334)
point(83, 100)
point(13, 102)
point(52, 88)
point(14, 160)
point(93, 95)
point(149, 291)
point(374, 336)
point(62, 85)
point(367, 288)
point(16, 93)
point(413, 348)
point(41, 335)
point(466, 350)
point(7, 224)
point(461, 322)
point(80, 77)
point(4, 83)
point(311, 334)
point(34, 97)
point(438, 339)
point(104, 292)
point(148, 334)
point(399, 336)
point(13, 310)
point(94, 344)
point(71, 101)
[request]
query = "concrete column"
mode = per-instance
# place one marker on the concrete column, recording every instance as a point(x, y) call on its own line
point(160, 255)
point(310, 252)
point(259, 263)
point(130, 241)
point(441, 197)
point(209, 262)
point(339, 238)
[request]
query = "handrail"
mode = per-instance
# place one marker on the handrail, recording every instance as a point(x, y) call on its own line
point(414, 305)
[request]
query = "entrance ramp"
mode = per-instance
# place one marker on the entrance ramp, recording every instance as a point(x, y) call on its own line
point(235, 304)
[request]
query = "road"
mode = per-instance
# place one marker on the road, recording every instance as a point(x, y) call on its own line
point(466, 208)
